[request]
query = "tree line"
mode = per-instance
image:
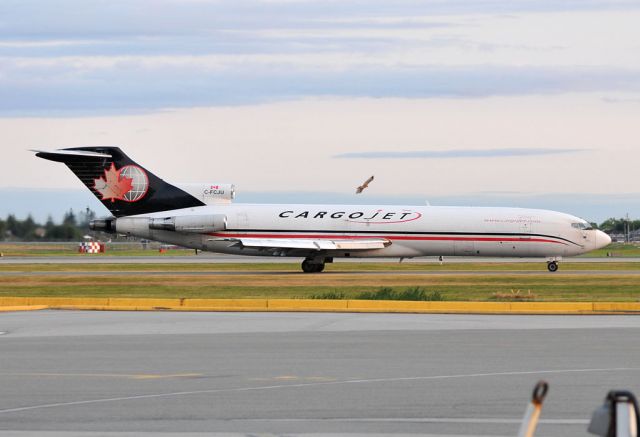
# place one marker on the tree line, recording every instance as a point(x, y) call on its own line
point(618, 226)
point(74, 226)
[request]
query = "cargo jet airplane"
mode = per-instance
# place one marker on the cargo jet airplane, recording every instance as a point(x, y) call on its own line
point(202, 216)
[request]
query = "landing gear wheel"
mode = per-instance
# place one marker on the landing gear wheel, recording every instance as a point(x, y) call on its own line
point(552, 266)
point(309, 267)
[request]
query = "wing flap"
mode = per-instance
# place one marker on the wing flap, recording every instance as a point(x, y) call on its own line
point(311, 244)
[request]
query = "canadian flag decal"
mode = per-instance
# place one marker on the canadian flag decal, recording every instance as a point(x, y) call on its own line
point(130, 183)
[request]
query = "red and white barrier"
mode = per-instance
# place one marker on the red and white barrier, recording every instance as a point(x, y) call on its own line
point(91, 247)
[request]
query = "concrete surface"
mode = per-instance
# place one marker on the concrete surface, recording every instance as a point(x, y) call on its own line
point(121, 374)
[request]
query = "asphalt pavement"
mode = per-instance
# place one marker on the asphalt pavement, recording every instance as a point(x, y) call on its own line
point(142, 373)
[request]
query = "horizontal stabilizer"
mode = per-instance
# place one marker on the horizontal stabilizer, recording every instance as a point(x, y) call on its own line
point(65, 155)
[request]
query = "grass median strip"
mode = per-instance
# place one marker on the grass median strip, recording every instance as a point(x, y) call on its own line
point(336, 267)
point(450, 286)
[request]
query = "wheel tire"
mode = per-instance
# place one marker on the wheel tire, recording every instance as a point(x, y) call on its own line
point(552, 266)
point(307, 267)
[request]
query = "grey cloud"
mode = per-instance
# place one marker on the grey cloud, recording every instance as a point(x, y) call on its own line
point(619, 100)
point(108, 18)
point(458, 153)
point(134, 86)
point(138, 30)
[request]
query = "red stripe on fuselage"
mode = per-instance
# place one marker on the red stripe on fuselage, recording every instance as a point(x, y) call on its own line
point(388, 237)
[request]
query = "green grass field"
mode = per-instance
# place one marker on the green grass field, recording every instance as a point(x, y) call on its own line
point(450, 281)
point(340, 280)
point(615, 250)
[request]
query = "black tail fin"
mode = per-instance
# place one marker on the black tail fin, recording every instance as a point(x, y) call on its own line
point(123, 186)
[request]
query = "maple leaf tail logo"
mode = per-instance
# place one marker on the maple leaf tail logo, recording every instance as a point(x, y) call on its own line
point(113, 186)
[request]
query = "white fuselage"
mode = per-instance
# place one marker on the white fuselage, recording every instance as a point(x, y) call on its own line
point(412, 230)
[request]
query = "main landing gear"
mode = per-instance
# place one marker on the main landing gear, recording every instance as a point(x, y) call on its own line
point(314, 265)
point(552, 266)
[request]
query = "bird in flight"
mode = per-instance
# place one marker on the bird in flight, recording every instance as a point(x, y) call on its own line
point(366, 183)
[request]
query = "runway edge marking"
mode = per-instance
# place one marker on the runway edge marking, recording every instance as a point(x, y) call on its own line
point(316, 305)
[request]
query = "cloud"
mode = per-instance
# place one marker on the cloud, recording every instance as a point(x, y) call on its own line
point(73, 86)
point(112, 56)
point(458, 153)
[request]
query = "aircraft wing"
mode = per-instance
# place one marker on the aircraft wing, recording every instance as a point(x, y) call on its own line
point(309, 244)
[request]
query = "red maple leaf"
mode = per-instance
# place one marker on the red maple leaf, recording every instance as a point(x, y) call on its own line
point(113, 186)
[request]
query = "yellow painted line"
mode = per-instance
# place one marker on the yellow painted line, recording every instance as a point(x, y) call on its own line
point(306, 305)
point(176, 375)
point(13, 301)
point(316, 305)
point(241, 304)
point(295, 378)
point(6, 309)
point(617, 306)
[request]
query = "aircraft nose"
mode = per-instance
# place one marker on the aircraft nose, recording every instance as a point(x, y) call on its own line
point(602, 239)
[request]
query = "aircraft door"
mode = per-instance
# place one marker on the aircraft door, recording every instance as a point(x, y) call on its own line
point(525, 227)
point(524, 247)
point(242, 220)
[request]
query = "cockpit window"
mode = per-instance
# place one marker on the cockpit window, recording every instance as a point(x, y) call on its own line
point(583, 226)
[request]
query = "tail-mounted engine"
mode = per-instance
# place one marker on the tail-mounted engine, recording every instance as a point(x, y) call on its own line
point(193, 223)
point(144, 227)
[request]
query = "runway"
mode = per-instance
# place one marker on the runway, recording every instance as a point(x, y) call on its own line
point(212, 258)
point(125, 373)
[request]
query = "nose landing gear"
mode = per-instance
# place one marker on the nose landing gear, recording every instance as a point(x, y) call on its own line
point(552, 266)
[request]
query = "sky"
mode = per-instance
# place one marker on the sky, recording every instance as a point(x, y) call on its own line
point(513, 103)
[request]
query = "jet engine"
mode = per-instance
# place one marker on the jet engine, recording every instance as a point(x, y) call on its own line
point(143, 227)
point(190, 223)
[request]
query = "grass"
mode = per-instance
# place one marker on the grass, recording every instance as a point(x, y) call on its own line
point(350, 267)
point(341, 281)
point(386, 293)
point(411, 293)
point(395, 281)
point(615, 250)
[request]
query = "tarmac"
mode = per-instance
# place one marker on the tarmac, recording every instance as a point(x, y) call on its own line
point(121, 374)
point(212, 258)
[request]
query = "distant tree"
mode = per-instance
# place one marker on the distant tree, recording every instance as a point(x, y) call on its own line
point(28, 226)
point(64, 233)
point(612, 225)
point(3, 229)
point(13, 226)
point(49, 224)
point(69, 218)
point(85, 217)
